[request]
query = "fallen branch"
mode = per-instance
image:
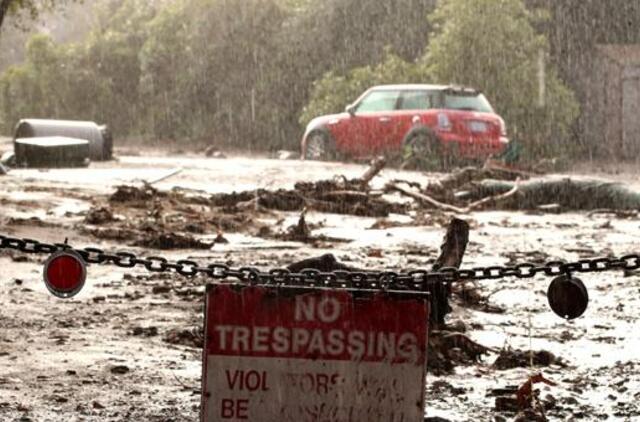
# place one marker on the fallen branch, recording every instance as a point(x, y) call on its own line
point(163, 177)
point(376, 166)
point(567, 193)
point(425, 198)
point(494, 198)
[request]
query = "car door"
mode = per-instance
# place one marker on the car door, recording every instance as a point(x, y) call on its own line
point(411, 103)
point(368, 129)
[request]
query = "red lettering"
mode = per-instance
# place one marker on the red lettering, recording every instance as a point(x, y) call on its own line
point(243, 409)
point(227, 409)
point(234, 409)
point(252, 380)
point(231, 381)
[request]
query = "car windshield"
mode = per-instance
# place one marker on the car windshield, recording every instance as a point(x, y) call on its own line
point(466, 101)
point(384, 100)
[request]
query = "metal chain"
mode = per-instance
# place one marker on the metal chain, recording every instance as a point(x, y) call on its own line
point(419, 280)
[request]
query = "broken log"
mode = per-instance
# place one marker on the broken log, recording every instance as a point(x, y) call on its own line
point(300, 232)
point(568, 193)
point(376, 166)
point(495, 198)
point(452, 182)
point(451, 254)
point(425, 199)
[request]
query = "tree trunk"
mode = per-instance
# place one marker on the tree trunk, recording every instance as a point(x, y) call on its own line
point(4, 9)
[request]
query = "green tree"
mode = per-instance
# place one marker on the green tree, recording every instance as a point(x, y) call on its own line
point(32, 8)
point(333, 92)
point(32, 89)
point(492, 46)
point(337, 36)
point(167, 77)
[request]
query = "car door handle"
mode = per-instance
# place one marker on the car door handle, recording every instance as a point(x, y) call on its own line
point(385, 119)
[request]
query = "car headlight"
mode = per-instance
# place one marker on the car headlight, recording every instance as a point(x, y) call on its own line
point(503, 128)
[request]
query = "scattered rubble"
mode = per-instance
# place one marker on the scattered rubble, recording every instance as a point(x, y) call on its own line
point(99, 215)
point(190, 337)
point(168, 240)
point(129, 193)
point(510, 358)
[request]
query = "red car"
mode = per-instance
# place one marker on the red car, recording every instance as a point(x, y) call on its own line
point(418, 121)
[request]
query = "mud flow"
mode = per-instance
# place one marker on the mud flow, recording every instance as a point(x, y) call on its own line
point(128, 346)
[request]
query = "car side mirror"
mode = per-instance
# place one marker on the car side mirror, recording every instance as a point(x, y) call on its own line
point(351, 109)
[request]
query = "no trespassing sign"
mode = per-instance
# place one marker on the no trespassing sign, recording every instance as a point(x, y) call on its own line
point(281, 354)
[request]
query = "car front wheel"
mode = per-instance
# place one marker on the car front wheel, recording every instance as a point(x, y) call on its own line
point(319, 147)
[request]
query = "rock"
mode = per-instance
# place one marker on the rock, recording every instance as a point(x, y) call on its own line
point(214, 152)
point(145, 331)
point(97, 405)
point(506, 404)
point(161, 289)
point(119, 369)
point(530, 415)
point(127, 193)
point(167, 240)
point(192, 337)
point(99, 215)
point(8, 159)
point(509, 359)
point(220, 238)
point(287, 155)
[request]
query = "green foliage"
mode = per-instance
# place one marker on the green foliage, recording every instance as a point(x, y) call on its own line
point(491, 45)
point(333, 92)
point(240, 72)
point(20, 9)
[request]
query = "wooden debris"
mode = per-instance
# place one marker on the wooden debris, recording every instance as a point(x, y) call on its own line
point(526, 390)
point(376, 166)
point(425, 199)
point(163, 177)
point(452, 208)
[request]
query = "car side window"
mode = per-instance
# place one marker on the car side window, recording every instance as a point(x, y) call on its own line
point(416, 100)
point(385, 100)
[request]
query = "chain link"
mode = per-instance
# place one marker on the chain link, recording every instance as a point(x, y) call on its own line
point(411, 280)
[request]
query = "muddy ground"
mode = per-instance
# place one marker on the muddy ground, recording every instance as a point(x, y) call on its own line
point(127, 347)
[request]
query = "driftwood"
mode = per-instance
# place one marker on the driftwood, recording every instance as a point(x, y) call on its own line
point(452, 208)
point(163, 177)
point(454, 181)
point(451, 254)
point(376, 166)
point(338, 195)
point(425, 199)
point(495, 198)
point(568, 193)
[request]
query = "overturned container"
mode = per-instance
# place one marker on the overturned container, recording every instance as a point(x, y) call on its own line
point(100, 141)
point(51, 151)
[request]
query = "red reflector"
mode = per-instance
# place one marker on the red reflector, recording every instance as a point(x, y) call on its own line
point(64, 274)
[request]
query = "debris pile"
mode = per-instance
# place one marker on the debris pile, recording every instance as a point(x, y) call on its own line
point(338, 195)
point(470, 189)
